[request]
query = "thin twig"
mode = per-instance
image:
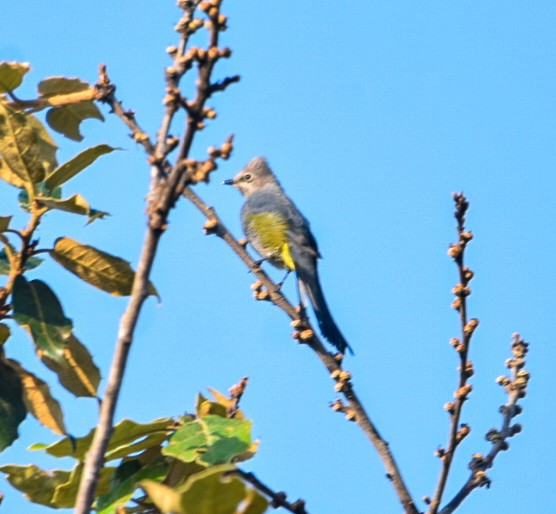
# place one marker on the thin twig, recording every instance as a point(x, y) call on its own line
point(278, 499)
point(516, 387)
point(458, 432)
point(308, 336)
point(162, 199)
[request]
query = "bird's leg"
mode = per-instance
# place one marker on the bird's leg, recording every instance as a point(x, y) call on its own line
point(281, 283)
point(257, 265)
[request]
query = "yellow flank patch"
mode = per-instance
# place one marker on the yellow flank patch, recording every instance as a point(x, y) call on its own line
point(270, 228)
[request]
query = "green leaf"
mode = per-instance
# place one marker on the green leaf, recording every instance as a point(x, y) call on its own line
point(12, 407)
point(67, 118)
point(100, 269)
point(11, 75)
point(37, 485)
point(125, 482)
point(27, 149)
point(72, 167)
point(30, 263)
point(211, 440)
point(5, 223)
point(38, 310)
point(75, 368)
point(121, 443)
point(75, 204)
point(5, 333)
point(39, 401)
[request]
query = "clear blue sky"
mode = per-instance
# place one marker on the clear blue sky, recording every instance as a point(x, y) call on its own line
point(371, 114)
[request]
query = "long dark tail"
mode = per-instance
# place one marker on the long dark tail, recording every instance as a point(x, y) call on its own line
point(310, 285)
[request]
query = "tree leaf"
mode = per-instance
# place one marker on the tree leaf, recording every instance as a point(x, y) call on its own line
point(254, 503)
point(7, 175)
point(100, 269)
point(65, 494)
point(124, 483)
point(5, 333)
point(211, 440)
point(67, 118)
point(75, 204)
point(54, 86)
point(26, 147)
point(125, 433)
point(5, 223)
point(37, 485)
point(39, 401)
point(30, 263)
point(72, 167)
point(11, 75)
point(164, 497)
point(38, 310)
point(75, 368)
point(12, 407)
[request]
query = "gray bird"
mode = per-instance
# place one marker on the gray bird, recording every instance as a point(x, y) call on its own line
point(281, 235)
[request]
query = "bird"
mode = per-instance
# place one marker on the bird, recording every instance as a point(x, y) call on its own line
point(281, 235)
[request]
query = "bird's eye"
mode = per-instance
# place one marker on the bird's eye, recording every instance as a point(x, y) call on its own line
point(247, 177)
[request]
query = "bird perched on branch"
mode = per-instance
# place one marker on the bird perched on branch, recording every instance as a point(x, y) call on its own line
point(281, 235)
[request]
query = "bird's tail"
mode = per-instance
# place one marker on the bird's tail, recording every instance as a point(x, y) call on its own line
point(310, 286)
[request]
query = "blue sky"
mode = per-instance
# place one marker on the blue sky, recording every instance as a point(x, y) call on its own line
point(371, 114)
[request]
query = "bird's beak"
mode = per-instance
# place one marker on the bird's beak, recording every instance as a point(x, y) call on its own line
point(229, 182)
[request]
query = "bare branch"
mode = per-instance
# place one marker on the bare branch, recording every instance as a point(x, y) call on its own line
point(305, 334)
point(516, 388)
point(277, 499)
point(162, 197)
point(457, 431)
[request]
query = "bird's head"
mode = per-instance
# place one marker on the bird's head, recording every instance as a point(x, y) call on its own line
point(253, 177)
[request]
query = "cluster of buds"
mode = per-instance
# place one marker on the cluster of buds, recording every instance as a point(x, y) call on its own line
point(224, 151)
point(188, 25)
point(342, 378)
point(462, 433)
point(338, 406)
point(216, 18)
point(463, 392)
point(478, 465)
point(467, 369)
point(303, 333)
point(259, 292)
point(442, 454)
point(199, 171)
point(520, 376)
point(210, 226)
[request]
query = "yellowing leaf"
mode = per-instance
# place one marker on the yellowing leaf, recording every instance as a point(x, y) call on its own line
point(125, 434)
point(65, 494)
point(26, 148)
point(72, 167)
point(39, 401)
point(211, 492)
point(75, 204)
point(53, 86)
point(7, 175)
point(37, 485)
point(254, 503)
point(164, 497)
point(11, 75)
point(67, 118)
point(38, 310)
point(100, 269)
point(75, 368)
